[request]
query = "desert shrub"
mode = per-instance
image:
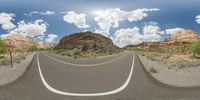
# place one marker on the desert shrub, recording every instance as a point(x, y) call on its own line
point(153, 70)
point(66, 53)
point(59, 51)
point(2, 47)
point(152, 55)
point(23, 57)
point(85, 47)
point(5, 61)
point(94, 45)
point(17, 60)
point(195, 48)
point(32, 48)
point(77, 52)
point(152, 50)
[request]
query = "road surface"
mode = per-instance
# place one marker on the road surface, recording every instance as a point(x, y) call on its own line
point(119, 77)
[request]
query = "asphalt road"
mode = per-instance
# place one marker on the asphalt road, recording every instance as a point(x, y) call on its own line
point(119, 77)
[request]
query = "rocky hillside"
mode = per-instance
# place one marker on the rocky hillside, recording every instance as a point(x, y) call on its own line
point(177, 42)
point(182, 36)
point(18, 42)
point(87, 42)
point(42, 45)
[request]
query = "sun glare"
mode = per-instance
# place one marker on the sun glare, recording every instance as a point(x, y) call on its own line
point(98, 12)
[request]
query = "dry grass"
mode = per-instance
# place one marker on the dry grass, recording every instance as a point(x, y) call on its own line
point(179, 60)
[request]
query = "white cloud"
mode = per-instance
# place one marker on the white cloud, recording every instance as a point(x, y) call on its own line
point(5, 21)
point(152, 32)
point(49, 13)
point(132, 36)
point(41, 37)
point(150, 37)
point(41, 13)
point(77, 19)
point(198, 19)
point(51, 37)
point(172, 31)
point(152, 29)
point(4, 35)
point(111, 18)
point(124, 37)
point(31, 29)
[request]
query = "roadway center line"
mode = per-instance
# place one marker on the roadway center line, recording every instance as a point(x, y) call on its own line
point(84, 94)
point(86, 65)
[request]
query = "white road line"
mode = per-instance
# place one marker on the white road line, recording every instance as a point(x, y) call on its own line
point(85, 94)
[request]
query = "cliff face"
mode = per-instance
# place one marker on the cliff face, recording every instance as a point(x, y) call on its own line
point(18, 42)
point(178, 41)
point(42, 45)
point(87, 42)
point(183, 36)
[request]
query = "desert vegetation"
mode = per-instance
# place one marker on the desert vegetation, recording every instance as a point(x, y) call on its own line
point(175, 51)
point(195, 48)
point(17, 55)
point(179, 57)
point(153, 70)
point(77, 53)
point(3, 49)
point(85, 45)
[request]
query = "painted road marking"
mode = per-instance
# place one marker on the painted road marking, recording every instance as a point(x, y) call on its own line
point(85, 65)
point(84, 94)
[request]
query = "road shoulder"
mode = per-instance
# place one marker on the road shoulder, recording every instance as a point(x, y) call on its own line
point(9, 75)
point(187, 77)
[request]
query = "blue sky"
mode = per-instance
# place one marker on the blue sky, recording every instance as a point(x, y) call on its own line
point(171, 14)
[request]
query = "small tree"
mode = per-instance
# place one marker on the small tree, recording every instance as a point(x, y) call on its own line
point(195, 48)
point(85, 47)
point(2, 47)
point(32, 48)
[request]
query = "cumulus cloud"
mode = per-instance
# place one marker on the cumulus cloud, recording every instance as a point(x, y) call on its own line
point(31, 29)
point(127, 36)
point(41, 13)
point(6, 21)
point(5, 35)
point(111, 18)
point(77, 19)
point(198, 19)
point(172, 31)
point(132, 36)
point(151, 32)
point(41, 37)
point(51, 37)
point(152, 29)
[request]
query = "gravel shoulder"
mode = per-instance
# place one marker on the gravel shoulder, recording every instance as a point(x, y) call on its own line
point(9, 75)
point(186, 77)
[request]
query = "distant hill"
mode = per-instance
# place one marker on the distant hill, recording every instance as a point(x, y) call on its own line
point(87, 42)
point(18, 42)
point(42, 45)
point(182, 36)
point(180, 40)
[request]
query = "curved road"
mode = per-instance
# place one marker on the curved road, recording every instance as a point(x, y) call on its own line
point(119, 77)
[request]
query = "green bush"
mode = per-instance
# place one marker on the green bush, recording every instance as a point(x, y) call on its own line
point(33, 48)
point(59, 51)
point(3, 49)
point(195, 48)
point(153, 70)
point(18, 60)
point(85, 47)
point(63, 52)
point(5, 61)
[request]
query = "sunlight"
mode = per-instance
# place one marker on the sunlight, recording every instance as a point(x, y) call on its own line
point(98, 12)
